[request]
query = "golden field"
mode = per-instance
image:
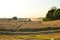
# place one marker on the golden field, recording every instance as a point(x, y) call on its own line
point(13, 24)
point(18, 24)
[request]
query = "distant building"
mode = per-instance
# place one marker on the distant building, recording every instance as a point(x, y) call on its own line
point(23, 19)
point(36, 19)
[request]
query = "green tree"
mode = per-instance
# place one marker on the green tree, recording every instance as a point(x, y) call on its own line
point(57, 14)
point(53, 14)
point(15, 18)
point(29, 19)
point(50, 14)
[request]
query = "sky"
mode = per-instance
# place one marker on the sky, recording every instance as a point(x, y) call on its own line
point(26, 8)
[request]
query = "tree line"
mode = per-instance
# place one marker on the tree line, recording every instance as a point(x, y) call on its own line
point(52, 14)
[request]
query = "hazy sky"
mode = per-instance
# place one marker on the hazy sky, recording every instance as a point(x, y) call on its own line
point(26, 8)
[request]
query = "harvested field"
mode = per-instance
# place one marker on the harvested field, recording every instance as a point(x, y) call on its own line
point(18, 25)
point(21, 25)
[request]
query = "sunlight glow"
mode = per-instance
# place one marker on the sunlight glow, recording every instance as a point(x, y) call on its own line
point(26, 8)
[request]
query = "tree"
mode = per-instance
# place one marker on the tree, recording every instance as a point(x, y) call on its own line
point(53, 14)
point(57, 14)
point(50, 14)
point(15, 18)
point(29, 19)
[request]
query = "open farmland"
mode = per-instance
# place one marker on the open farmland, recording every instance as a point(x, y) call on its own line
point(16, 25)
point(13, 24)
point(20, 25)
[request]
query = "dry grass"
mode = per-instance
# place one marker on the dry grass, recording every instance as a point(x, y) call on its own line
point(17, 25)
point(29, 37)
point(55, 23)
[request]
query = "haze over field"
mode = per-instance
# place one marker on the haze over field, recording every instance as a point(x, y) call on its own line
point(26, 8)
